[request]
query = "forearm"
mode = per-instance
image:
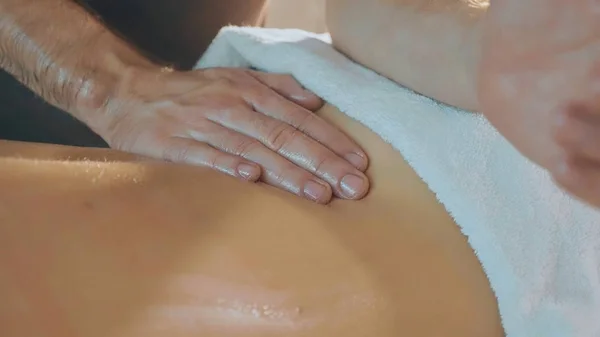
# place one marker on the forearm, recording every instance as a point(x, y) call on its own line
point(63, 53)
point(431, 47)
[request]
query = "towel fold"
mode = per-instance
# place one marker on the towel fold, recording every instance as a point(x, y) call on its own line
point(539, 247)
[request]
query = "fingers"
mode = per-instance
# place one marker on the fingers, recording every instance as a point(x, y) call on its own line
point(273, 101)
point(289, 157)
point(277, 170)
point(288, 87)
point(296, 150)
point(277, 107)
point(189, 151)
point(577, 131)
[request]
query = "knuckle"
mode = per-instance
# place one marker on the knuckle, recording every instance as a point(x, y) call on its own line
point(244, 147)
point(281, 136)
point(213, 73)
point(225, 83)
point(219, 107)
point(284, 176)
point(243, 77)
point(320, 163)
point(218, 161)
point(213, 161)
point(176, 153)
point(304, 121)
point(279, 177)
point(260, 97)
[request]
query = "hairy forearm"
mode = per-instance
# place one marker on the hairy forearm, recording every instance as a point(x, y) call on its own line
point(63, 53)
point(431, 47)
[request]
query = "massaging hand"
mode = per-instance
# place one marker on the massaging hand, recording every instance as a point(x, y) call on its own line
point(540, 86)
point(244, 123)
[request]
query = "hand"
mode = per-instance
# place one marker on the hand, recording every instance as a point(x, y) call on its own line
point(539, 85)
point(247, 124)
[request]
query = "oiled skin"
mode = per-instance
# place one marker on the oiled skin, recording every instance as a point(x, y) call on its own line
point(133, 248)
point(174, 32)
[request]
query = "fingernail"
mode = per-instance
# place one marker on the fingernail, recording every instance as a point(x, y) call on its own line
point(299, 97)
point(315, 191)
point(305, 96)
point(247, 171)
point(352, 186)
point(357, 160)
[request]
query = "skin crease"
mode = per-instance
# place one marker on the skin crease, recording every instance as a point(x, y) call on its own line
point(123, 247)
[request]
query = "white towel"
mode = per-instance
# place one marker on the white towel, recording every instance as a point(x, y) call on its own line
point(539, 247)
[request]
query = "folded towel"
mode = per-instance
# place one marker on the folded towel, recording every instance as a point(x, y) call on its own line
point(539, 247)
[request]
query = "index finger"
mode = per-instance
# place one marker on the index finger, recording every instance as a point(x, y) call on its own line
point(270, 103)
point(289, 88)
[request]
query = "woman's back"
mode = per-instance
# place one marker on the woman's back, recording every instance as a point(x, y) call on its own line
point(141, 249)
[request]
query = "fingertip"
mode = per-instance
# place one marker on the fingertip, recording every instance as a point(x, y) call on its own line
point(354, 186)
point(248, 171)
point(365, 189)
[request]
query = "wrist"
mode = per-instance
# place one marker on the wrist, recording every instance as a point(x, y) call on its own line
point(104, 80)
